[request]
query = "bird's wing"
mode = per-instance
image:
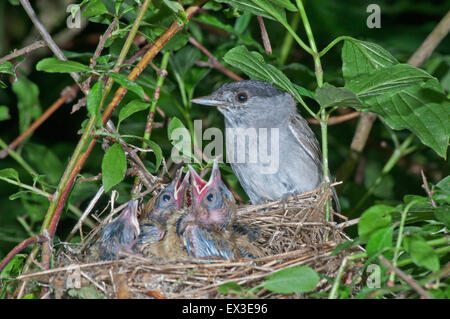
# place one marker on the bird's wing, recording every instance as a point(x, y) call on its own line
point(306, 138)
point(308, 141)
point(202, 243)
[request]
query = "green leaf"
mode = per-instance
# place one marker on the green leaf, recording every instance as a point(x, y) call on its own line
point(241, 23)
point(53, 65)
point(422, 254)
point(230, 287)
point(374, 218)
point(94, 98)
point(177, 9)
point(52, 167)
point(345, 245)
point(10, 173)
point(253, 64)
point(247, 6)
point(131, 108)
point(407, 98)
point(4, 113)
point(292, 280)
point(387, 81)
point(114, 166)
point(444, 184)
point(174, 124)
point(158, 152)
point(442, 213)
point(130, 85)
point(331, 96)
point(379, 240)
point(361, 57)
point(88, 292)
point(7, 67)
point(214, 21)
point(94, 8)
point(28, 105)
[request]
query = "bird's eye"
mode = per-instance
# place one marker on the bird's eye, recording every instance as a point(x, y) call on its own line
point(241, 97)
point(210, 197)
point(166, 198)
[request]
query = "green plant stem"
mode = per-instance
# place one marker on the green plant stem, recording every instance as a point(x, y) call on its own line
point(288, 39)
point(126, 47)
point(398, 153)
point(323, 113)
point(18, 159)
point(312, 44)
point(162, 74)
point(334, 289)
point(400, 237)
point(159, 82)
point(332, 44)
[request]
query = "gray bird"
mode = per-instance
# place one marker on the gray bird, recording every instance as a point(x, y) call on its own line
point(293, 163)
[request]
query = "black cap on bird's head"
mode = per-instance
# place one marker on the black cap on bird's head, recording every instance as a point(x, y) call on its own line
point(171, 198)
point(212, 202)
point(251, 97)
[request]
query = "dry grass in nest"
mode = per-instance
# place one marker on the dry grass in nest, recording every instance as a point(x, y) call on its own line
point(292, 233)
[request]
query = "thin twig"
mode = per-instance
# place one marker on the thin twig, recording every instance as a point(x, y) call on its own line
point(48, 39)
point(336, 119)
point(348, 223)
point(409, 280)
point(427, 189)
point(264, 35)
point(86, 212)
point(431, 42)
point(16, 53)
point(69, 94)
point(213, 62)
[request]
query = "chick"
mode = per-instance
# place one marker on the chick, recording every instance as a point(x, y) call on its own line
point(120, 235)
point(158, 210)
point(207, 229)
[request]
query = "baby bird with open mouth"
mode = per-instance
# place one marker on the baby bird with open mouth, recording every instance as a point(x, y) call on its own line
point(159, 209)
point(207, 229)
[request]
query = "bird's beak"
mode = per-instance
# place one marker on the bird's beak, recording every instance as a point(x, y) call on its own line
point(180, 185)
point(208, 100)
point(130, 213)
point(197, 182)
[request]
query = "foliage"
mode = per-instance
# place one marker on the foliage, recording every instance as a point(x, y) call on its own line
point(365, 72)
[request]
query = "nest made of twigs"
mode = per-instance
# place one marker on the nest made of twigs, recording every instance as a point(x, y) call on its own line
point(292, 232)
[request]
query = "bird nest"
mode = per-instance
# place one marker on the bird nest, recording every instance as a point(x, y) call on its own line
point(292, 232)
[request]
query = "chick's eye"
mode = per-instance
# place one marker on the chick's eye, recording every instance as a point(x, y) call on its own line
point(166, 198)
point(241, 97)
point(210, 197)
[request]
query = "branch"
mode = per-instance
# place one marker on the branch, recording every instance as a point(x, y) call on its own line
point(47, 38)
point(23, 51)
point(427, 189)
point(409, 280)
point(213, 62)
point(431, 42)
point(264, 35)
point(336, 119)
point(20, 247)
point(67, 94)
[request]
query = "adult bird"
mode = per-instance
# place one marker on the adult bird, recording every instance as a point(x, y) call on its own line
point(291, 163)
point(120, 235)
